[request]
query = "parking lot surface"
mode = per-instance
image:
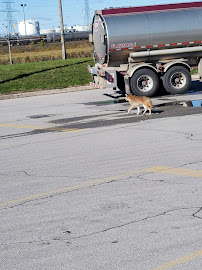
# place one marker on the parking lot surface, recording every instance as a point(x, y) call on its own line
point(84, 185)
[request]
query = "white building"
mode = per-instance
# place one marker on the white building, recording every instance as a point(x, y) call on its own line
point(28, 28)
point(47, 31)
point(78, 28)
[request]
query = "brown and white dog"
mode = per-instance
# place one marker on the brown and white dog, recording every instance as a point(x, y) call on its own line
point(138, 102)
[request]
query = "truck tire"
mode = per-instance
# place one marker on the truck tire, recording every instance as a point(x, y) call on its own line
point(177, 80)
point(144, 82)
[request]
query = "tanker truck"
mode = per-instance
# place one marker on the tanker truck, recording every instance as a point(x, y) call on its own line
point(136, 49)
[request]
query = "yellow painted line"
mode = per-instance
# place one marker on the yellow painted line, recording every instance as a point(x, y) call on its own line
point(176, 171)
point(27, 141)
point(82, 185)
point(20, 126)
point(179, 261)
point(40, 127)
point(157, 169)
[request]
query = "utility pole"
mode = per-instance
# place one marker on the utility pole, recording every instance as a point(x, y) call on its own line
point(64, 56)
point(9, 49)
point(9, 45)
point(23, 6)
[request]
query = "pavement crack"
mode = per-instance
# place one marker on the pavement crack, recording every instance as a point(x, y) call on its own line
point(133, 222)
point(38, 242)
point(44, 199)
point(188, 135)
point(26, 173)
point(197, 212)
point(141, 177)
point(16, 172)
point(44, 176)
point(190, 163)
point(144, 179)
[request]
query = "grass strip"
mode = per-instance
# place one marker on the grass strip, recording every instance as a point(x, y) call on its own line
point(56, 74)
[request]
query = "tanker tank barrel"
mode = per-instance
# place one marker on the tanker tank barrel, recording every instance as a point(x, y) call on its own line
point(120, 31)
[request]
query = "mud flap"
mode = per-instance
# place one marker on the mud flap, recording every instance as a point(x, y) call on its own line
point(127, 84)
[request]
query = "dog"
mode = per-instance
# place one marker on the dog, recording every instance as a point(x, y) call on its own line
point(138, 102)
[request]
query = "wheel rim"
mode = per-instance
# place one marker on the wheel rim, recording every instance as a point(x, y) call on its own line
point(178, 80)
point(145, 83)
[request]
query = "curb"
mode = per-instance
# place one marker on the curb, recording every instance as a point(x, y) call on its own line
point(46, 92)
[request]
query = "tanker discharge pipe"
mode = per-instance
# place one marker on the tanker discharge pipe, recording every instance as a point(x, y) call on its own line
point(172, 52)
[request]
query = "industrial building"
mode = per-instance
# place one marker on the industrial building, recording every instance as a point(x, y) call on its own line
point(69, 29)
point(28, 28)
point(79, 28)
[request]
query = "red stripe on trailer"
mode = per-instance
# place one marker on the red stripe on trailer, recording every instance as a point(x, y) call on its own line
point(154, 8)
point(154, 46)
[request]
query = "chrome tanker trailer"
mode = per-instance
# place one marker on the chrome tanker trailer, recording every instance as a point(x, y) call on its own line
point(136, 47)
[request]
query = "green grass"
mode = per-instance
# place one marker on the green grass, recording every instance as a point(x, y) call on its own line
point(194, 71)
point(44, 75)
point(55, 74)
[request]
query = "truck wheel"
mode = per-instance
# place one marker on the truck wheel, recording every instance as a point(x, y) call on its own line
point(177, 80)
point(144, 82)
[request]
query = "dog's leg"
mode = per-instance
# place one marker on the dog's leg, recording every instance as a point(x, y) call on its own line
point(138, 110)
point(145, 109)
point(130, 108)
point(149, 108)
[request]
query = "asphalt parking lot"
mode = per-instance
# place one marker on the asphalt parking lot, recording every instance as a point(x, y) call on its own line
point(84, 185)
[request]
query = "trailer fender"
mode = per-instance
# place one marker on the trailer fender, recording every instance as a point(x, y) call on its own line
point(175, 63)
point(134, 68)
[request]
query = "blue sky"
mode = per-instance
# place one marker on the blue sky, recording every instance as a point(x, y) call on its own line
point(46, 11)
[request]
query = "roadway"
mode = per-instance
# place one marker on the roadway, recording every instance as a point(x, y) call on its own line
point(86, 186)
